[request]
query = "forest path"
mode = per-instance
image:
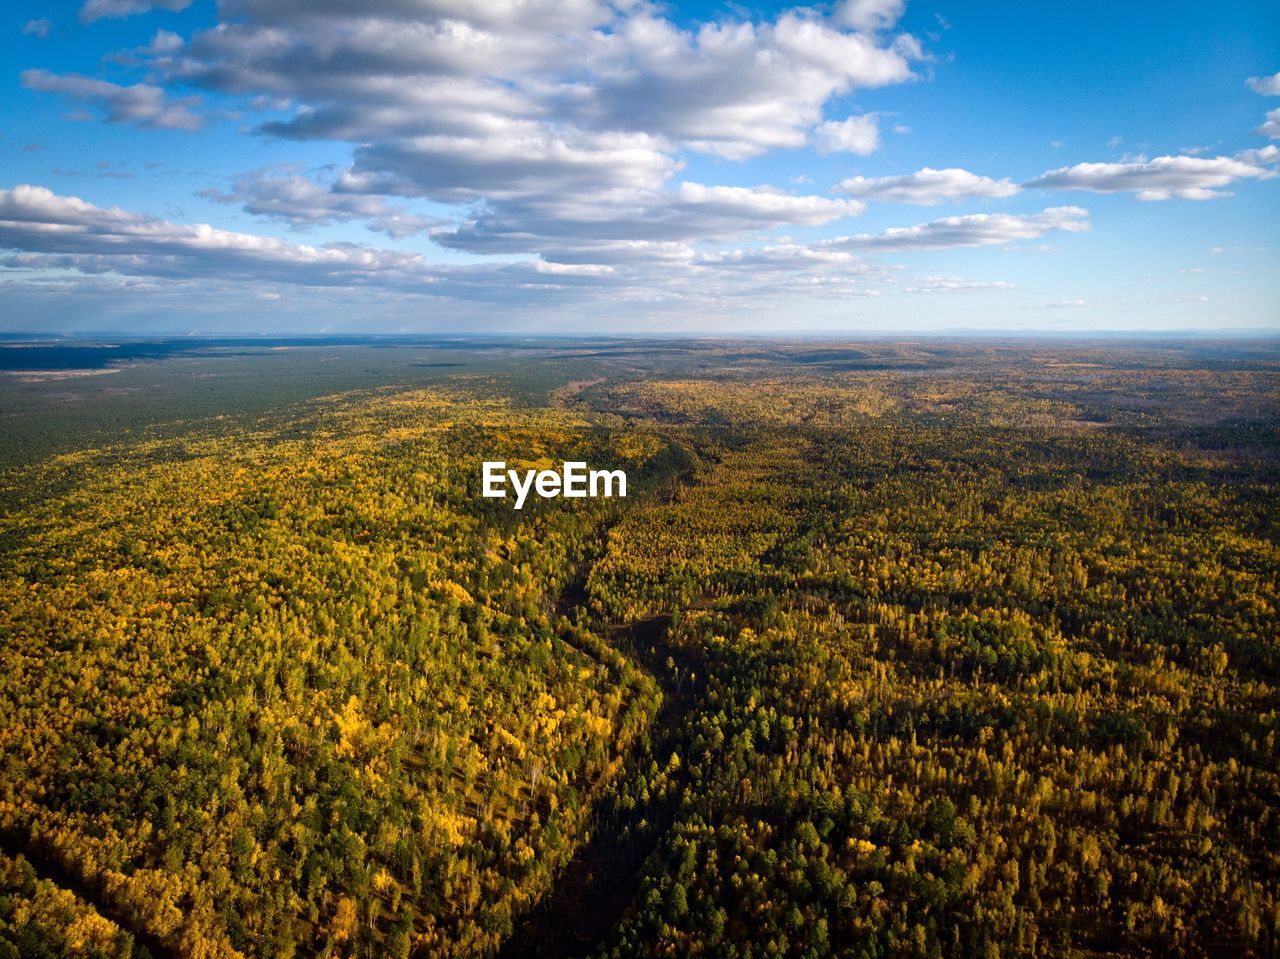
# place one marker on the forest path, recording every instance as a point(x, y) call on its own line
point(592, 892)
point(48, 866)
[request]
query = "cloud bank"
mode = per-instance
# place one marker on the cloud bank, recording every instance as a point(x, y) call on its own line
point(1184, 177)
point(973, 230)
point(928, 187)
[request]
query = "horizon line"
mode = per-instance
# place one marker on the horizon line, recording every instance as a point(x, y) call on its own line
point(970, 333)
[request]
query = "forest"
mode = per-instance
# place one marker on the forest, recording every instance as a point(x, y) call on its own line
point(895, 648)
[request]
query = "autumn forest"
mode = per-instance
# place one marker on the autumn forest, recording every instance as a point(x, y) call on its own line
point(894, 648)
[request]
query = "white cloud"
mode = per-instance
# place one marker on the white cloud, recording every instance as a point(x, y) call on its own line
point(928, 187)
point(646, 254)
point(755, 275)
point(164, 42)
point(38, 28)
point(1263, 156)
point(1184, 177)
point(303, 203)
point(495, 15)
point(859, 135)
point(67, 243)
point(397, 69)
point(973, 230)
point(575, 269)
point(1271, 126)
point(638, 223)
point(786, 256)
point(559, 123)
point(954, 284)
point(763, 207)
point(522, 159)
point(141, 104)
point(1267, 86)
point(89, 238)
point(730, 89)
point(115, 9)
point(870, 14)
point(58, 236)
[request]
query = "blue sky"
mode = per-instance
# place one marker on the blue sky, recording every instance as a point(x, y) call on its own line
point(583, 166)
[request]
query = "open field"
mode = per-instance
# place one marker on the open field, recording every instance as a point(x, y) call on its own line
point(918, 648)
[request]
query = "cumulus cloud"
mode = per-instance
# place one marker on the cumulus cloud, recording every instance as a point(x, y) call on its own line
point(558, 127)
point(65, 231)
point(141, 104)
point(1271, 126)
point(498, 15)
point(731, 89)
point(638, 223)
point(303, 203)
point(976, 229)
point(870, 14)
point(559, 124)
point(116, 9)
point(786, 256)
point(761, 207)
point(51, 238)
point(1264, 156)
point(759, 274)
point(1184, 177)
point(928, 187)
point(38, 28)
point(526, 159)
point(164, 42)
point(859, 135)
point(67, 243)
point(57, 238)
point(395, 69)
point(1267, 86)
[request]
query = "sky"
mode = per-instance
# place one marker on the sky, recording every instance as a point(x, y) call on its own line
point(586, 166)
